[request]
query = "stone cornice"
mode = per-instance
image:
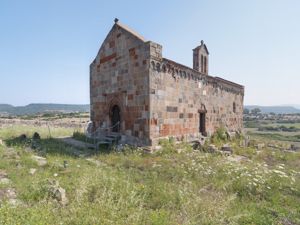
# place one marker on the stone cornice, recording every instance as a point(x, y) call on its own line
point(178, 70)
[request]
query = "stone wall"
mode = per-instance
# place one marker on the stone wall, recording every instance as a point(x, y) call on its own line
point(178, 94)
point(120, 76)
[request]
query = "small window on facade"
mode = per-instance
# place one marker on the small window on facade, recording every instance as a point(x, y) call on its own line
point(202, 62)
point(234, 107)
point(205, 65)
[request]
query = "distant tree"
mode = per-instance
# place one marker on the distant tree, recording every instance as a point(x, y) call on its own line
point(256, 111)
point(246, 111)
point(273, 114)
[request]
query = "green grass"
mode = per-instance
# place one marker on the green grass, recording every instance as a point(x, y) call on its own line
point(17, 130)
point(167, 187)
point(297, 125)
point(276, 136)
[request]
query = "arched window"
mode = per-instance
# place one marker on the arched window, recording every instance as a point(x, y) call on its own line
point(234, 107)
point(205, 65)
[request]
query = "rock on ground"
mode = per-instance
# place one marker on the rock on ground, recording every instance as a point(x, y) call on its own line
point(32, 171)
point(9, 195)
point(41, 161)
point(58, 193)
point(237, 158)
point(3, 178)
point(212, 148)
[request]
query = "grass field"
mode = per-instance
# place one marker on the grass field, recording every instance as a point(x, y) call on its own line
point(266, 130)
point(177, 185)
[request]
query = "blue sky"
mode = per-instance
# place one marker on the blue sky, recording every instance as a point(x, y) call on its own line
point(46, 46)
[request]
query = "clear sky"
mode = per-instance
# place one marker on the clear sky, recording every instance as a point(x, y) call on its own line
point(46, 46)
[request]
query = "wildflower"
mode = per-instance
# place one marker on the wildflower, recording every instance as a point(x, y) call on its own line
point(279, 172)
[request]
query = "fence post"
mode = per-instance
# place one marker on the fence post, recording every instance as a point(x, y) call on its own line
point(49, 130)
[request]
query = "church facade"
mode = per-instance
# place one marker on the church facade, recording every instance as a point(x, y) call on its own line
point(141, 95)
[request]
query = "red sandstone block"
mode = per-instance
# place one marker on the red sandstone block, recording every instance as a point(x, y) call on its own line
point(132, 51)
point(107, 58)
point(153, 121)
point(130, 97)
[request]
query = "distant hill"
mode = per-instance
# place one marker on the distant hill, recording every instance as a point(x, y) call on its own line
point(275, 109)
point(5, 107)
point(30, 109)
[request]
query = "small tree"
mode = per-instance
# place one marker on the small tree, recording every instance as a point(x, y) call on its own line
point(246, 111)
point(255, 111)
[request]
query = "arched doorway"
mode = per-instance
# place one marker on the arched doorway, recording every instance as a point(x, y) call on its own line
point(115, 118)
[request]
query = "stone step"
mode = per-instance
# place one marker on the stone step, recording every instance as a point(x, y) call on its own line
point(107, 139)
point(113, 134)
point(103, 143)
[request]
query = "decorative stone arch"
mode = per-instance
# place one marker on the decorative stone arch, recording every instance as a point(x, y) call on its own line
point(202, 109)
point(164, 69)
point(115, 104)
point(168, 68)
point(153, 65)
point(158, 67)
point(172, 71)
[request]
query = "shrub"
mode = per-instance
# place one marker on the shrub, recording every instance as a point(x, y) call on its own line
point(219, 136)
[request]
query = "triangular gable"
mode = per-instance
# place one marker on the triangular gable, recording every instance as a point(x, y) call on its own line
point(126, 29)
point(129, 30)
point(202, 46)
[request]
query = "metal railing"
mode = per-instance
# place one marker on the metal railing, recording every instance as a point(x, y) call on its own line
point(94, 135)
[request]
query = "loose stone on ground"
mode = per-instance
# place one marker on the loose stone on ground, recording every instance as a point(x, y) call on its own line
point(32, 171)
point(41, 161)
point(3, 178)
point(58, 193)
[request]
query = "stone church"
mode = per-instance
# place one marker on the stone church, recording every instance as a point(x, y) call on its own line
point(144, 97)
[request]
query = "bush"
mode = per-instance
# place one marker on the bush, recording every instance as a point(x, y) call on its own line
point(219, 136)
